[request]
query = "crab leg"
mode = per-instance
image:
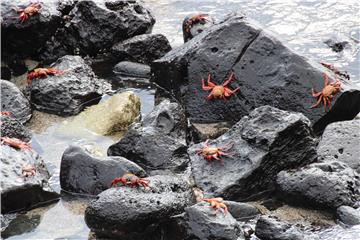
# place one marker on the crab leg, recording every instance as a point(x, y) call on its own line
point(228, 93)
point(315, 94)
point(324, 100)
point(318, 102)
point(326, 79)
point(231, 77)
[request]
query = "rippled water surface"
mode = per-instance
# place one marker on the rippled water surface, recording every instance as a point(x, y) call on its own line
point(302, 25)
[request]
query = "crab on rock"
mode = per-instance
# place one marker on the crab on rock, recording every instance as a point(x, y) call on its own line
point(15, 143)
point(132, 180)
point(327, 93)
point(42, 72)
point(28, 170)
point(30, 10)
point(218, 91)
point(216, 203)
point(210, 153)
point(200, 18)
point(5, 113)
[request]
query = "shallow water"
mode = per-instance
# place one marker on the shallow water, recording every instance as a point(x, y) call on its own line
point(302, 25)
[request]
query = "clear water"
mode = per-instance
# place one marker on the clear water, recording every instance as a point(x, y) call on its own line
point(302, 25)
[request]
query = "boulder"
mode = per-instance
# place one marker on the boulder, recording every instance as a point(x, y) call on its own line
point(203, 223)
point(110, 116)
point(322, 185)
point(340, 142)
point(143, 48)
point(12, 128)
point(348, 215)
point(70, 92)
point(136, 213)
point(158, 142)
point(200, 132)
point(95, 25)
point(20, 193)
point(264, 143)
point(242, 211)
point(132, 72)
point(271, 228)
point(266, 71)
point(24, 39)
point(80, 172)
point(14, 101)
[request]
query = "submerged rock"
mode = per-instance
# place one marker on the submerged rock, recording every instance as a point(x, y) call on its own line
point(143, 48)
point(25, 38)
point(322, 185)
point(110, 116)
point(19, 192)
point(348, 215)
point(12, 128)
point(14, 101)
point(158, 142)
point(271, 228)
point(96, 25)
point(70, 92)
point(340, 142)
point(82, 173)
point(264, 143)
point(137, 213)
point(267, 73)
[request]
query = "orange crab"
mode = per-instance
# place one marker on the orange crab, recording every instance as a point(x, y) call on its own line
point(218, 91)
point(200, 18)
point(210, 153)
point(42, 72)
point(132, 180)
point(216, 203)
point(28, 170)
point(15, 143)
point(30, 10)
point(327, 93)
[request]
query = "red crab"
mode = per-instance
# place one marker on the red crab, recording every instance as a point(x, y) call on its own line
point(216, 203)
point(15, 143)
point(200, 18)
point(28, 170)
point(218, 91)
point(132, 180)
point(30, 10)
point(42, 72)
point(5, 113)
point(327, 93)
point(210, 153)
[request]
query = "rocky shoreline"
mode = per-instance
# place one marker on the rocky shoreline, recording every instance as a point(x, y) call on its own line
point(235, 135)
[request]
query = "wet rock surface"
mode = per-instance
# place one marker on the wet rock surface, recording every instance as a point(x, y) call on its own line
point(80, 172)
point(25, 38)
point(135, 213)
point(32, 190)
point(70, 92)
point(200, 132)
point(12, 128)
point(322, 185)
point(132, 72)
point(158, 142)
point(14, 101)
point(340, 142)
point(267, 73)
point(271, 228)
point(264, 143)
point(96, 25)
point(110, 116)
point(202, 222)
point(348, 215)
point(143, 48)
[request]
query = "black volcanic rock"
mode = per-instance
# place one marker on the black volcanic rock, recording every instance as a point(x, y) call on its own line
point(264, 143)
point(266, 71)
